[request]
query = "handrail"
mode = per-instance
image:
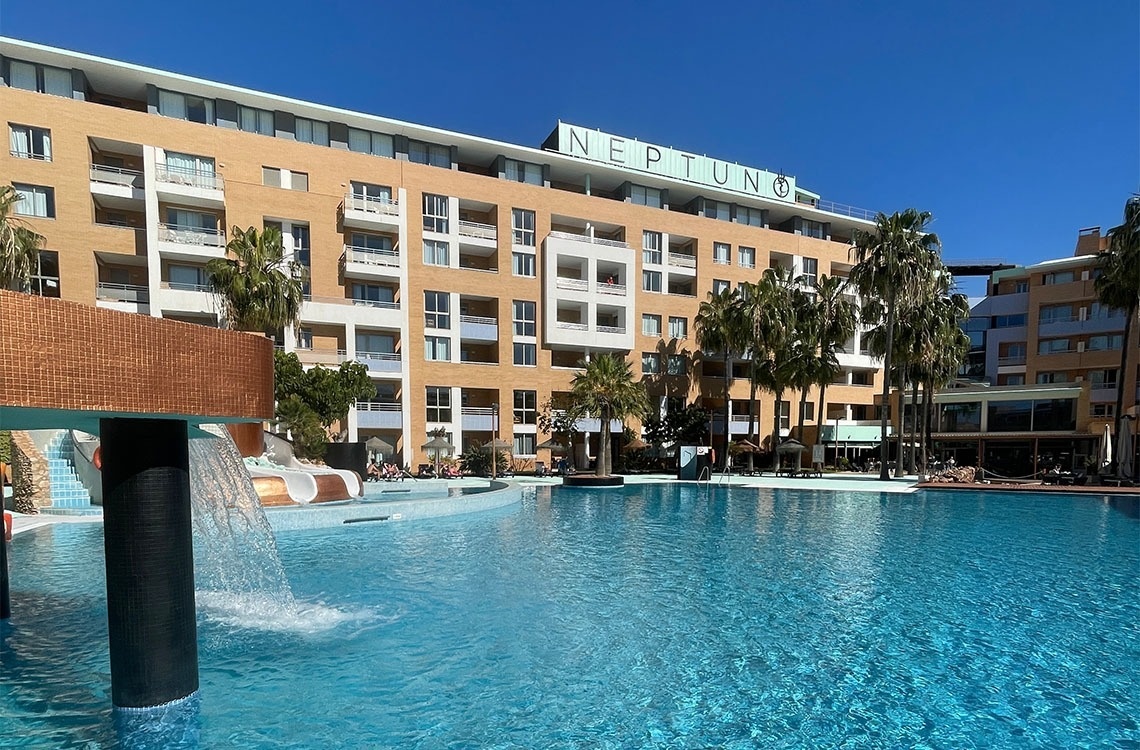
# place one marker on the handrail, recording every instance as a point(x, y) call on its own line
point(373, 204)
point(572, 326)
point(604, 287)
point(682, 260)
point(377, 406)
point(385, 356)
point(352, 301)
point(588, 238)
point(843, 209)
point(116, 176)
point(186, 287)
point(188, 235)
point(105, 287)
point(610, 329)
point(481, 320)
point(192, 177)
point(369, 256)
point(477, 411)
point(477, 230)
point(563, 282)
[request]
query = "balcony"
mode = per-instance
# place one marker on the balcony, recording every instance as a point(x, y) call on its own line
point(380, 362)
point(683, 261)
point(117, 188)
point(478, 418)
point(122, 293)
point(617, 290)
point(369, 212)
point(189, 187)
point(588, 239)
point(190, 243)
point(365, 263)
point(1010, 361)
point(478, 328)
point(188, 298)
point(322, 356)
point(620, 330)
point(478, 235)
point(378, 415)
point(572, 285)
point(340, 310)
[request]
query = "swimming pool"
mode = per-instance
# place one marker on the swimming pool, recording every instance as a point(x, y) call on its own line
point(669, 616)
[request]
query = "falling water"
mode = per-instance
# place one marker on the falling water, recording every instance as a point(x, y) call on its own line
point(238, 573)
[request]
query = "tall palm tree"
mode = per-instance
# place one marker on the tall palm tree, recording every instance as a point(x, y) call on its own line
point(1118, 284)
point(722, 328)
point(776, 362)
point(260, 288)
point(607, 389)
point(891, 261)
point(19, 245)
point(837, 315)
point(943, 349)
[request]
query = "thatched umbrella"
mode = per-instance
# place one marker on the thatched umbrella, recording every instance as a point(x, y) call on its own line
point(637, 444)
point(551, 445)
point(495, 446)
point(437, 444)
point(379, 446)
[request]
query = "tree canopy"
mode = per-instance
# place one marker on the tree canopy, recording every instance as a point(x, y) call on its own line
point(310, 401)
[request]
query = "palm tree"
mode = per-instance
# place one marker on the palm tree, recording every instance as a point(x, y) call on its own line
point(19, 245)
point(1118, 284)
point(943, 348)
point(260, 289)
point(774, 304)
point(722, 328)
point(891, 262)
point(836, 314)
point(606, 388)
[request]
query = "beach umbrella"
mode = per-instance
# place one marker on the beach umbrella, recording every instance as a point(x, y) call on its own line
point(637, 444)
point(495, 446)
point(1124, 449)
point(791, 446)
point(745, 446)
point(379, 446)
point(551, 445)
point(1106, 447)
point(437, 444)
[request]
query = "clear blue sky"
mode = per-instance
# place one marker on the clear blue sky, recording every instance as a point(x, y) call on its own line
point(1015, 123)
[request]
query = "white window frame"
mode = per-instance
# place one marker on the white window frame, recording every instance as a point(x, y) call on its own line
point(522, 227)
point(521, 263)
point(654, 330)
point(437, 253)
point(29, 142)
point(524, 317)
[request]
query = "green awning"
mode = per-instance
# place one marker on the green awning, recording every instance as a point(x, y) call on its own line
point(851, 433)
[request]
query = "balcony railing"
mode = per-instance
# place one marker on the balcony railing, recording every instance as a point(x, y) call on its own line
point(611, 329)
point(116, 176)
point(191, 177)
point(682, 260)
point(1018, 359)
point(353, 301)
point(572, 326)
point(477, 411)
point(179, 286)
point(478, 231)
point(587, 238)
point(368, 256)
point(844, 210)
point(335, 356)
point(372, 204)
point(377, 406)
point(122, 292)
point(478, 319)
point(380, 361)
point(576, 285)
point(608, 288)
point(185, 235)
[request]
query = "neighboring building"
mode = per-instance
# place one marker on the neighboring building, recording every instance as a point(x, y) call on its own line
point(471, 276)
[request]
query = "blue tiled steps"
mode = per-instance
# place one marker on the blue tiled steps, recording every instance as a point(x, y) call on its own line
point(68, 495)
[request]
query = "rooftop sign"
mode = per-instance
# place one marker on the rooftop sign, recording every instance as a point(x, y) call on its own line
point(629, 153)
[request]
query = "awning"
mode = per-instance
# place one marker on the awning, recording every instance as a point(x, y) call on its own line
point(851, 433)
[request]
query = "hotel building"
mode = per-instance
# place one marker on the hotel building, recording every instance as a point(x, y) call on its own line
point(1045, 365)
point(471, 276)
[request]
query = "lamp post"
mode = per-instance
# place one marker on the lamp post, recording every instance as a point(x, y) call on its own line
point(494, 438)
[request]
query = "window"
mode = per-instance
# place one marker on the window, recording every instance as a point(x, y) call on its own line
point(373, 295)
point(1055, 415)
point(522, 227)
point(1106, 342)
point(811, 271)
point(44, 79)
point(753, 217)
point(746, 257)
point(650, 325)
point(302, 253)
point(651, 281)
point(651, 247)
point(522, 264)
point(810, 228)
point(785, 415)
point(524, 444)
point(1059, 277)
point(678, 364)
point(718, 210)
point(678, 327)
point(437, 348)
point(526, 355)
point(963, 417)
point(367, 142)
point(526, 407)
point(436, 253)
point(300, 182)
point(45, 274)
point(438, 404)
point(720, 286)
point(188, 278)
point(523, 315)
point(1020, 287)
point(521, 171)
point(1103, 378)
point(1053, 346)
point(809, 411)
point(437, 310)
point(861, 377)
point(185, 107)
point(1051, 377)
point(27, 142)
point(253, 120)
point(271, 177)
point(1018, 379)
point(369, 193)
point(194, 221)
point(650, 363)
point(1102, 410)
point(1056, 313)
point(304, 338)
point(188, 169)
point(1100, 312)
point(1009, 321)
point(375, 343)
point(429, 153)
point(311, 131)
point(34, 200)
point(645, 196)
point(722, 253)
point(373, 243)
point(435, 213)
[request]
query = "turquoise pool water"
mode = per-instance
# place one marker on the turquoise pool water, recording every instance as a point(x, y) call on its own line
point(663, 616)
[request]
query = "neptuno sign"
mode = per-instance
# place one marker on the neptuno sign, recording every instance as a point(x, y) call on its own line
point(669, 162)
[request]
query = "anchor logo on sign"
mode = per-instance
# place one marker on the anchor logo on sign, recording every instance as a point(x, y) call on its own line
point(780, 185)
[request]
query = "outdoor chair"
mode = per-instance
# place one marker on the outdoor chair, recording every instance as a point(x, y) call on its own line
point(540, 469)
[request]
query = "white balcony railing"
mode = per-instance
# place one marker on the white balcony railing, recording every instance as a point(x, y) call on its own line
point(477, 411)
point(116, 176)
point(377, 406)
point(478, 231)
point(1015, 360)
point(587, 238)
point(607, 288)
point(682, 261)
point(322, 356)
point(190, 177)
point(611, 329)
point(179, 286)
point(371, 257)
point(185, 235)
point(372, 204)
point(572, 326)
point(576, 285)
point(122, 292)
point(478, 319)
point(352, 301)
